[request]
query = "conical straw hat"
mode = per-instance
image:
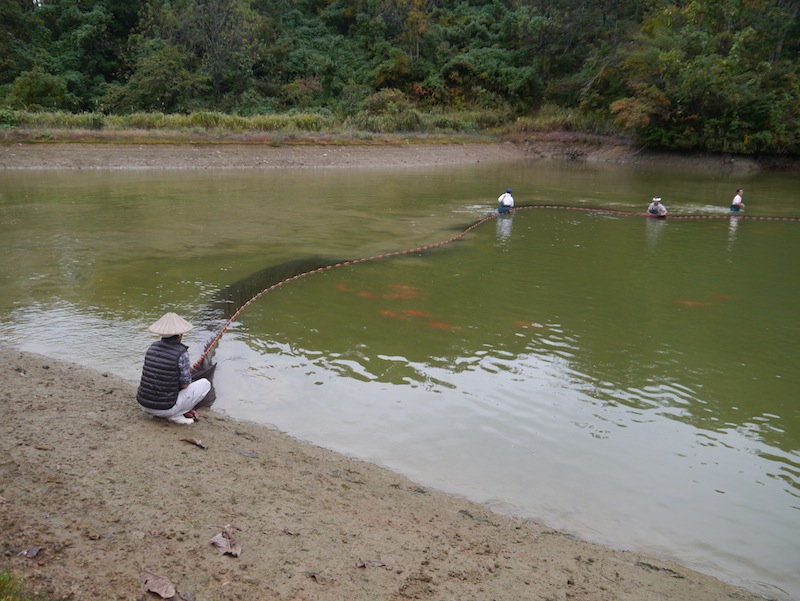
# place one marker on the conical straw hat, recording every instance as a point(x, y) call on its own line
point(170, 324)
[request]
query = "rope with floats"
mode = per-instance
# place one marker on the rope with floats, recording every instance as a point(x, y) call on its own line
point(215, 341)
point(648, 215)
point(210, 346)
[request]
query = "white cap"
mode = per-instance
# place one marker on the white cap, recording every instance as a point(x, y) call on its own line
point(656, 199)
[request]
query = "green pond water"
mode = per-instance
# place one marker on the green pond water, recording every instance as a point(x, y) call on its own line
point(628, 380)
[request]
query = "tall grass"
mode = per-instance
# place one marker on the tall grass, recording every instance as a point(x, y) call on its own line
point(555, 118)
point(398, 119)
point(12, 589)
point(299, 122)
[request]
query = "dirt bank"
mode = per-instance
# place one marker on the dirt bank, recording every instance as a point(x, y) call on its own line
point(582, 147)
point(77, 155)
point(145, 150)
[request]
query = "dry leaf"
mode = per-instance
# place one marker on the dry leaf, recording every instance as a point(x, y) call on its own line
point(30, 552)
point(290, 532)
point(44, 447)
point(226, 543)
point(157, 584)
point(319, 578)
point(195, 441)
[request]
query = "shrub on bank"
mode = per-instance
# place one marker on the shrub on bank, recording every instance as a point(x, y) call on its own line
point(555, 118)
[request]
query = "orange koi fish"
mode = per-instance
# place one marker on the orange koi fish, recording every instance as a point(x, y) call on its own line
point(415, 313)
point(402, 294)
point(403, 291)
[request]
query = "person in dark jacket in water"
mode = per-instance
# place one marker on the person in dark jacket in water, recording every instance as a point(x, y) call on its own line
point(166, 388)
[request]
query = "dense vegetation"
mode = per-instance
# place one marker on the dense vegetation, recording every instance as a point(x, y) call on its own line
point(718, 75)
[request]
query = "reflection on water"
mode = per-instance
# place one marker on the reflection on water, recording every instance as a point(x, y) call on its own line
point(547, 358)
point(733, 225)
point(504, 223)
point(655, 229)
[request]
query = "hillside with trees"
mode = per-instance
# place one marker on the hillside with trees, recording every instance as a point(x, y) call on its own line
point(708, 75)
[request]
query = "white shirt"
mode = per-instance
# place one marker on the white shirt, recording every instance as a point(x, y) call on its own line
point(506, 199)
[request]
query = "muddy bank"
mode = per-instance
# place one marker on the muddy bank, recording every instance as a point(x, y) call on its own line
point(245, 156)
point(581, 147)
point(153, 153)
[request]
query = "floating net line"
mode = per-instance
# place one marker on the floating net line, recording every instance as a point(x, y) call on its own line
point(649, 216)
point(209, 347)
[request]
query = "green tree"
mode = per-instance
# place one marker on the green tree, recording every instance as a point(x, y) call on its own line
point(721, 84)
point(164, 79)
point(64, 47)
point(221, 33)
point(184, 51)
point(15, 22)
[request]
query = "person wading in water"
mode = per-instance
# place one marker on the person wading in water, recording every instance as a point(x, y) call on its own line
point(505, 202)
point(656, 209)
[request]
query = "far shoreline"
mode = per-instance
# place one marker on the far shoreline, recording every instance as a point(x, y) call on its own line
point(146, 149)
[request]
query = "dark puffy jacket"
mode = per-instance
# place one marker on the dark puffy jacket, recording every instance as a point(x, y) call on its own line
point(161, 374)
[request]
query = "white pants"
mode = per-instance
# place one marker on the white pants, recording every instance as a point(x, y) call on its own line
point(188, 398)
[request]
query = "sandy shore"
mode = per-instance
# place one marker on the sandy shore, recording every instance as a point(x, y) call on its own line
point(246, 156)
point(94, 494)
point(564, 146)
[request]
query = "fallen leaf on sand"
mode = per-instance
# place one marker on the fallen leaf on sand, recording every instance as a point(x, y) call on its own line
point(290, 532)
point(157, 584)
point(319, 578)
point(30, 552)
point(44, 447)
point(195, 441)
point(226, 543)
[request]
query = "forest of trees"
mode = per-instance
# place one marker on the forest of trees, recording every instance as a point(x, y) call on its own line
point(713, 75)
